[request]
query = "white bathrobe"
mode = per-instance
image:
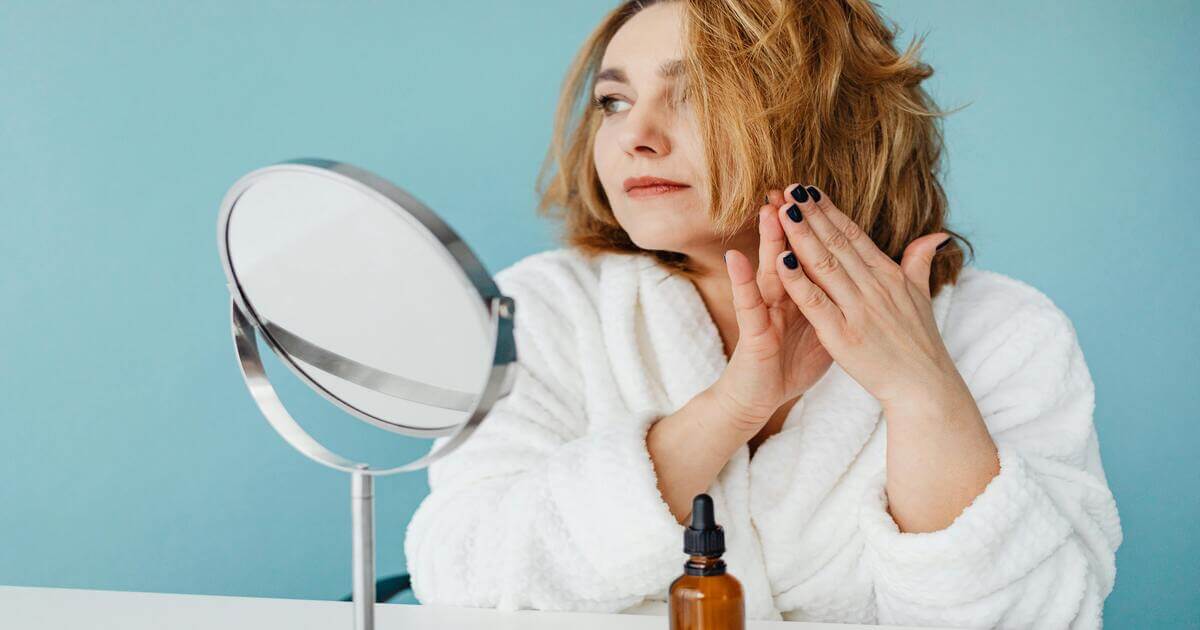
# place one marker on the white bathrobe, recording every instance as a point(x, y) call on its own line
point(553, 503)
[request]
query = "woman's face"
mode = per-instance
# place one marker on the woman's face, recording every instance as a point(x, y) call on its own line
point(648, 132)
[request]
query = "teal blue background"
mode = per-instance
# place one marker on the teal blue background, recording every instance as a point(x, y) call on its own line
point(132, 456)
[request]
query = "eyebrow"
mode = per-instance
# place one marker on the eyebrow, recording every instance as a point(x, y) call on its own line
point(668, 70)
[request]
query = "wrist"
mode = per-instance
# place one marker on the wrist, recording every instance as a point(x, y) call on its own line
point(929, 395)
point(932, 407)
point(742, 420)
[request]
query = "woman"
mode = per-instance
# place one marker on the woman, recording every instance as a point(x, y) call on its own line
point(889, 436)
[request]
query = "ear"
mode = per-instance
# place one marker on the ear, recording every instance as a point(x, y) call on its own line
point(918, 258)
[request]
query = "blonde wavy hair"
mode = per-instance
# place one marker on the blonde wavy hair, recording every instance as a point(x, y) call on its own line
point(809, 91)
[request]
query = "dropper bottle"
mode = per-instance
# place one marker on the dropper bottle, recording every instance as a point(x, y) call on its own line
point(706, 596)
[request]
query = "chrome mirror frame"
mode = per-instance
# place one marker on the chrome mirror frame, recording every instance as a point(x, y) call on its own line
point(247, 326)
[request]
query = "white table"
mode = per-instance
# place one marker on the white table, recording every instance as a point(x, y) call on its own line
point(36, 608)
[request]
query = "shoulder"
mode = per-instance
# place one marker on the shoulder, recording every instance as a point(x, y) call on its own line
point(557, 298)
point(558, 327)
point(998, 327)
point(1019, 354)
point(565, 277)
point(986, 303)
point(994, 292)
point(548, 273)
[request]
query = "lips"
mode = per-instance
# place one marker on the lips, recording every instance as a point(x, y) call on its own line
point(648, 181)
point(639, 192)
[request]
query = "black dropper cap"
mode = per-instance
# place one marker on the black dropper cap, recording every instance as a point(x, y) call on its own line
point(704, 537)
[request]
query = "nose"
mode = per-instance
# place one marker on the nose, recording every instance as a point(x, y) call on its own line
point(644, 132)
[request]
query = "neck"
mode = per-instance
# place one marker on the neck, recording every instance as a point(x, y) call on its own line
point(713, 285)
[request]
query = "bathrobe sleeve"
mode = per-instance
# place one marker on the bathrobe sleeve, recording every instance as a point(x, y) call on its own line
point(1036, 548)
point(546, 506)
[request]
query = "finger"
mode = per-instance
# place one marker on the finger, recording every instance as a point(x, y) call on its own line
point(749, 308)
point(832, 237)
point(775, 197)
point(887, 272)
point(771, 243)
point(867, 249)
point(918, 259)
point(820, 265)
point(813, 302)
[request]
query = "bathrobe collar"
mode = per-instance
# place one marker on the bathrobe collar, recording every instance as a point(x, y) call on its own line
point(687, 349)
point(680, 352)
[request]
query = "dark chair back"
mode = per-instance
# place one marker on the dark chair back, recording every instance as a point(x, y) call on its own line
point(387, 588)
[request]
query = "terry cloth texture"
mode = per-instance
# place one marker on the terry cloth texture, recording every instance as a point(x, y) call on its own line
point(553, 503)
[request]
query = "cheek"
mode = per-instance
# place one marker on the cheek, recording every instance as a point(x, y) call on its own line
point(602, 155)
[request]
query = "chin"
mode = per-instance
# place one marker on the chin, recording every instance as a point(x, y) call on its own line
point(657, 240)
point(652, 232)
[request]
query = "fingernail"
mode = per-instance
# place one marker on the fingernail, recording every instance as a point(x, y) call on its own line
point(799, 194)
point(944, 243)
point(793, 213)
point(790, 261)
point(816, 195)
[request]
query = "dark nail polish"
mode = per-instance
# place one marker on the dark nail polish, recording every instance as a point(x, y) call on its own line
point(944, 243)
point(793, 213)
point(799, 194)
point(816, 194)
point(790, 261)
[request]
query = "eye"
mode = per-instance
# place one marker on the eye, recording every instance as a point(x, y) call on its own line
point(601, 103)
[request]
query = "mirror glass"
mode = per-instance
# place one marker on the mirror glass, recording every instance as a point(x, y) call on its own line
point(364, 301)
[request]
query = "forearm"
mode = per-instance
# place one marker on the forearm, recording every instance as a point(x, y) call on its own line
point(939, 457)
point(525, 483)
point(689, 448)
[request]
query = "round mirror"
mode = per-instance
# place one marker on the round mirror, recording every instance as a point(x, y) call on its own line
point(369, 298)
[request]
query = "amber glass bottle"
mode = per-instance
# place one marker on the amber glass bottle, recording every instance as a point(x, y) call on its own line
point(706, 596)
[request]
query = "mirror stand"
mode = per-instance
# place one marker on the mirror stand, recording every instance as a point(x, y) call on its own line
point(362, 516)
point(362, 487)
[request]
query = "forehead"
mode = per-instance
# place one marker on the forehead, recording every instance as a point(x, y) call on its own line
point(646, 40)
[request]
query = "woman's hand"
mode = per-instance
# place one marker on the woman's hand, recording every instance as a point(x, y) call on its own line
point(876, 320)
point(873, 316)
point(778, 355)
